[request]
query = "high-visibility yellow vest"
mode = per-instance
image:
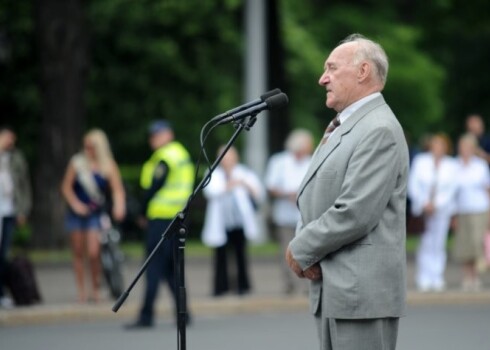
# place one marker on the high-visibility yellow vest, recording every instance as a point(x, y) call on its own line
point(171, 198)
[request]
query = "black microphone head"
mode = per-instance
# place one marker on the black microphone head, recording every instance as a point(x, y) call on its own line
point(271, 93)
point(277, 101)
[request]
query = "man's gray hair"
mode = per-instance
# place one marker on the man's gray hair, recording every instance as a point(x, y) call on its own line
point(371, 51)
point(297, 139)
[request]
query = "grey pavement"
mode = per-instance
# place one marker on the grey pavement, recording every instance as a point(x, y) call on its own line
point(434, 327)
point(57, 286)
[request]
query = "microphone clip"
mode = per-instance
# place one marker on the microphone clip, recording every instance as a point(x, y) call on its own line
point(246, 123)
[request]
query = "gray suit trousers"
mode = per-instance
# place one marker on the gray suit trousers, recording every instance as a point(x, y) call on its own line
point(357, 334)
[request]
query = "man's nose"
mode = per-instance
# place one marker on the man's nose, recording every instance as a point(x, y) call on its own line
point(323, 79)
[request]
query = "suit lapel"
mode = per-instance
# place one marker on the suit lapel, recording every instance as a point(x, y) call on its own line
point(321, 155)
point(324, 151)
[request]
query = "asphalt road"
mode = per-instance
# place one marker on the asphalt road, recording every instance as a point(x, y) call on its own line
point(426, 327)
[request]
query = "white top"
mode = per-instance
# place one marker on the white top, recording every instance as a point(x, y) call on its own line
point(219, 217)
point(6, 186)
point(284, 174)
point(424, 178)
point(231, 211)
point(473, 186)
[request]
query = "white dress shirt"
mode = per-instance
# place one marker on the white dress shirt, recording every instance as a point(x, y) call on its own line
point(284, 173)
point(349, 110)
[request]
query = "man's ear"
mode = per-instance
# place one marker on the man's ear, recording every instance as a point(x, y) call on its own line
point(363, 72)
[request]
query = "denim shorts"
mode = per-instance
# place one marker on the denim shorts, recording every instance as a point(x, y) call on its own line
point(75, 222)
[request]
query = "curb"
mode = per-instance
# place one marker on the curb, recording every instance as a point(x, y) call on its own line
point(450, 297)
point(44, 314)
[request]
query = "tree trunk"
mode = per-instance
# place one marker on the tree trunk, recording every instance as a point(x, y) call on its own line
point(62, 42)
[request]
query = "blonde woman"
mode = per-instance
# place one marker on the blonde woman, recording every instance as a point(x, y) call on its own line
point(90, 174)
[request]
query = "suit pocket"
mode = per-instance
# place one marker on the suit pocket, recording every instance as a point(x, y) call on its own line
point(340, 284)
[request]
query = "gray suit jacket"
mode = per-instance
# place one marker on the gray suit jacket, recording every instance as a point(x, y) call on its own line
point(352, 204)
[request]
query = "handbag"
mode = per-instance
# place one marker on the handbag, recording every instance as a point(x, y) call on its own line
point(416, 224)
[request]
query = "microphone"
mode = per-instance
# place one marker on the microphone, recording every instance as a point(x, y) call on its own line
point(262, 98)
point(273, 102)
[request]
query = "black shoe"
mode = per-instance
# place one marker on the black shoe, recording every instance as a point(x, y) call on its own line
point(220, 293)
point(138, 325)
point(243, 291)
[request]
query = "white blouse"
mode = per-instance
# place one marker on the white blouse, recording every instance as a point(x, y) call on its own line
point(426, 180)
point(218, 217)
point(473, 186)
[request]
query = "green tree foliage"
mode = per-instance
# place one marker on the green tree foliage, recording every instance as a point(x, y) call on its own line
point(414, 82)
point(19, 96)
point(179, 60)
point(456, 35)
point(183, 60)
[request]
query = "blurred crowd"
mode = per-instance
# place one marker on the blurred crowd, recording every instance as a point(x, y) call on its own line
point(451, 190)
point(447, 191)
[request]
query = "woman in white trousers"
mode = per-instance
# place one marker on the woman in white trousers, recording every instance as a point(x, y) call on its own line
point(432, 187)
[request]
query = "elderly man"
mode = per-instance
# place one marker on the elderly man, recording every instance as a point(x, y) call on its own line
point(284, 174)
point(350, 241)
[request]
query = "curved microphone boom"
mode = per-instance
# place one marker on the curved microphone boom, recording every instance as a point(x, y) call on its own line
point(273, 102)
point(247, 105)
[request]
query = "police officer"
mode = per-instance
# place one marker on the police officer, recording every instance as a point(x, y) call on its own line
point(168, 179)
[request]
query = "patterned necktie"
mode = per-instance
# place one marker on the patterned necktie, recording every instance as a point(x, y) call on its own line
point(330, 128)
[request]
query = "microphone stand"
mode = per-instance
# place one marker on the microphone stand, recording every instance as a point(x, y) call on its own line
point(177, 226)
